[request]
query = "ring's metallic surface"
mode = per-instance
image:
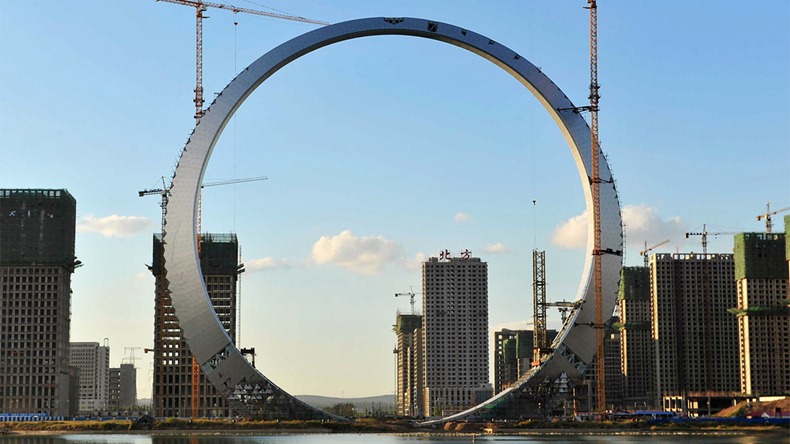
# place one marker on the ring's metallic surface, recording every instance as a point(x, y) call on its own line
point(252, 394)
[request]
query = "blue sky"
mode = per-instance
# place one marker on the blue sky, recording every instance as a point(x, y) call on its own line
point(383, 151)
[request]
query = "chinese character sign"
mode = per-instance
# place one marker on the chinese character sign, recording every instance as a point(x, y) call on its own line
point(445, 255)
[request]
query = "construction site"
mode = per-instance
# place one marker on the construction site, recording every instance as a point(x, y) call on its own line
point(687, 333)
point(180, 389)
point(581, 368)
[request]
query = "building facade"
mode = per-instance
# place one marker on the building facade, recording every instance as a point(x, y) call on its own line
point(762, 313)
point(787, 249)
point(613, 371)
point(37, 230)
point(172, 391)
point(93, 362)
point(455, 333)
point(513, 354)
point(408, 328)
point(123, 387)
point(636, 345)
point(695, 337)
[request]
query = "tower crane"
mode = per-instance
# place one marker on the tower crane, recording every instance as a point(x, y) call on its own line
point(411, 295)
point(644, 253)
point(595, 181)
point(165, 193)
point(564, 307)
point(704, 233)
point(767, 216)
point(201, 7)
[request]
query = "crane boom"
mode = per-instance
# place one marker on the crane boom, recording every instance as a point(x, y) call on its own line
point(651, 248)
point(767, 215)
point(411, 295)
point(233, 181)
point(201, 7)
point(236, 9)
point(704, 233)
point(564, 307)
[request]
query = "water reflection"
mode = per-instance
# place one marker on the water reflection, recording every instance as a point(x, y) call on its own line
point(775, 438)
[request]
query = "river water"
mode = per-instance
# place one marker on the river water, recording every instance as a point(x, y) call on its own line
point(675, 438)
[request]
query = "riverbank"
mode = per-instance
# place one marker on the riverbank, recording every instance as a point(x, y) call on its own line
point(172, 426)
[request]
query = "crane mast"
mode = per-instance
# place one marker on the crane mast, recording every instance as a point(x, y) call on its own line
point(595, 181)
point(201, 7)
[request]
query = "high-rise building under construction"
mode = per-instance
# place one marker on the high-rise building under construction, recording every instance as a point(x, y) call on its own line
point(694, 334)
point(408, 328)
point(762, 313)
point(636, 346)
point(37, 230)
point(172, 390)
point(455, 331)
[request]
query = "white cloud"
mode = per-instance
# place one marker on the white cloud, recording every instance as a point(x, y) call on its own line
point(415, 263)
point(463, 217)
point(366, 255)
point(571, 233)
point(143, 276)
point(114, 225)
point(497, 248)
point(265, 263)
point(642, 222)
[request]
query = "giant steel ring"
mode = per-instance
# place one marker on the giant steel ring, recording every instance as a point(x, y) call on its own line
point(249, 392)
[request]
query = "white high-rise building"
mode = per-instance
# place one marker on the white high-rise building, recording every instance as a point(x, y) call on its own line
point(455, 333)
point(93, 362)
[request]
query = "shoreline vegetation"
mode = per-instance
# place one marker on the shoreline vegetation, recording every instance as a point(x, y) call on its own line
point(173, 426)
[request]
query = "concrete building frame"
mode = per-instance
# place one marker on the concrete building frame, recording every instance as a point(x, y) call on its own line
point(248, 390)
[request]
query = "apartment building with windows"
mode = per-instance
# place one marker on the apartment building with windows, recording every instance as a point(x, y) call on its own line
point(123, 387)
point(694, 334)
point(636, 345)
point(37, 232)
point(455, 333)
point(762, 313)
point(93, 362)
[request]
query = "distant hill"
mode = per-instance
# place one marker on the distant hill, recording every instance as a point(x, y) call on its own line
point(322, 402)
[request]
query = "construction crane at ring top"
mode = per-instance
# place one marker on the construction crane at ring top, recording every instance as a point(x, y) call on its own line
point(201, 7)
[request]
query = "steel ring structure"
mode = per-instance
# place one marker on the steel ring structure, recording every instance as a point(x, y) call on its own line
point(249, 392)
